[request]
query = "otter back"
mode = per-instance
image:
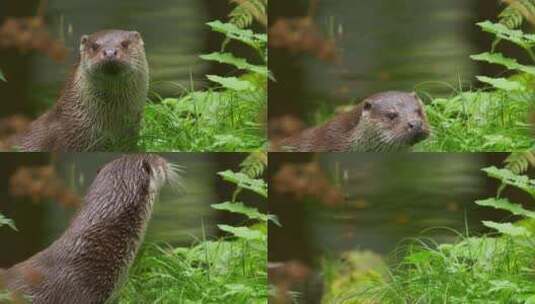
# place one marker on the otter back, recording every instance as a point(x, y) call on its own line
point(333, 136)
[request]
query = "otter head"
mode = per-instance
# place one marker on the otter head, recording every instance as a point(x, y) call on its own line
point(138, 178)
point(391, 121)
point(111, 53)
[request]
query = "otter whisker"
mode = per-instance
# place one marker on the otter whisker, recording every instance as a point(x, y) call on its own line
point(174, 177)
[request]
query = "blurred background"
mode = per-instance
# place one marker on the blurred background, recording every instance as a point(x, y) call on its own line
point(334, 202)
point(326, 53)
point(42, 191)
point(174, 32)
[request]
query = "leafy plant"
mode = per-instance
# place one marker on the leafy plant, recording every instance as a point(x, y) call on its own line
point(517, 37)
point(2, 77)
point(253, 166)
point(248, 10)
point(256, 41)
point(493, 119)
point(471, 270)
point(5, 296)
point(226, 117)
point(516, 12)
point(519, 162)
point(4, 221)
point(522, 182)
point(480, 121)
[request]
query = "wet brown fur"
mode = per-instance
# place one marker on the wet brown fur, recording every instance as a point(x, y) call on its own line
point(333, 136)
point(72, 122)
point(341, 133)
point(91, 258)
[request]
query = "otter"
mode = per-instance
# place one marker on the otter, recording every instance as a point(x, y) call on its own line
point(101, 105)
point(389, 121)
point(88, 262)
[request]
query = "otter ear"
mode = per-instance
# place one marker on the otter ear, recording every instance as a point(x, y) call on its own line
point(367, 106)
point(146, 166)
point(137, 36)
point(83, 42)
point(84, 39)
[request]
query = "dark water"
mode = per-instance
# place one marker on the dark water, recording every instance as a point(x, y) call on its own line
point(174, 33)
point(179, 218)
point(421, 45)
point(389, 198)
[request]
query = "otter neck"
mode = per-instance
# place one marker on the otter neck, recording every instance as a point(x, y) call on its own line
point(109, 109)
point(106, 235)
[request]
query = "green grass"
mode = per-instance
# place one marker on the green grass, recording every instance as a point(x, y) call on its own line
point(474, 121)
point(231, 270)
point(473, 270)
point(205, 121)
point(493, 120)
point(211, 272)
point(486, 120)
point(496, 269)
point(230, 116)
point(480, 121)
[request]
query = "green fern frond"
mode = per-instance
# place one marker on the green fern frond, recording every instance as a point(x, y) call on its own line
point(511, 18)
point(516, 12)
point(246, 11)
point(255, 164)
point(519, 162)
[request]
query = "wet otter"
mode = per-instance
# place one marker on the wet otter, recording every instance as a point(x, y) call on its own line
point(390, 121)
point(102, 102)
point(87, 263)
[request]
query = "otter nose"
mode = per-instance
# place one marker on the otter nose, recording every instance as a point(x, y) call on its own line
point(110, 53)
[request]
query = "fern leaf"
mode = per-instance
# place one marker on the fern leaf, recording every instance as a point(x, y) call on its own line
point(4, 221)
point(516, 12)
point(519, 162)
point(255, 164)
point(246, 11)
point(511, 18)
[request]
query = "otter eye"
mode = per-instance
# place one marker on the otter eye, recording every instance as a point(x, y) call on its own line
point(367, 105)
point(95, 46)
point(125, 44)
point(392, 115)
